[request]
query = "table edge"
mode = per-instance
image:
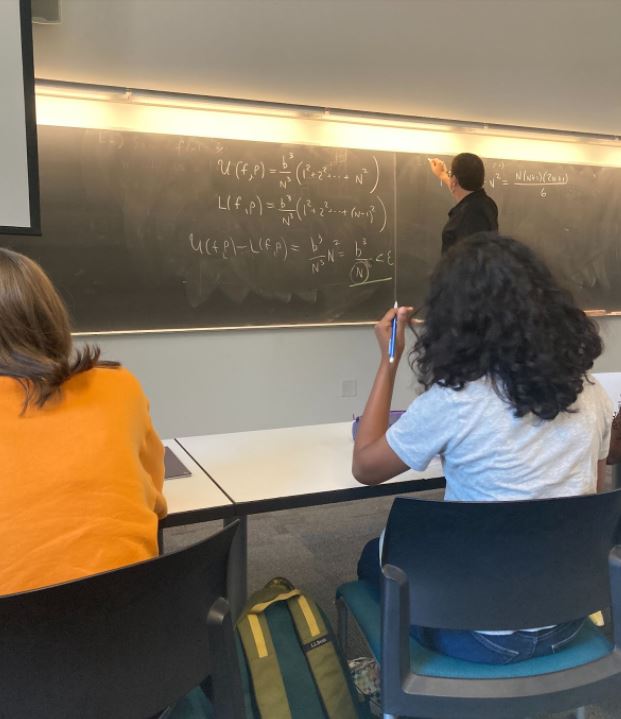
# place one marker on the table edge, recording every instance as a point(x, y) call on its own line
point(331, 496)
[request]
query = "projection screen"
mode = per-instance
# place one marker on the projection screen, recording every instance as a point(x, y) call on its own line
point(19, 180)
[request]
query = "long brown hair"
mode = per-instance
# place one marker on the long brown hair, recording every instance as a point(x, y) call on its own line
point(35, 337)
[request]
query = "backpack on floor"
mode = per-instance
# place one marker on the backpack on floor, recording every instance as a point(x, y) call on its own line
point(293, 668)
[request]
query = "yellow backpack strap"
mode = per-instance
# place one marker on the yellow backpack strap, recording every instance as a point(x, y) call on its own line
point(269, 688)
point(322, 658)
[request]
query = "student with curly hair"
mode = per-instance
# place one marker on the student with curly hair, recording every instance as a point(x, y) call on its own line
point(503, 356)
point(82, 467)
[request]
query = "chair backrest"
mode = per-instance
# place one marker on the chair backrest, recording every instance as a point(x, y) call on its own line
point(503, 565)
point(122, 644)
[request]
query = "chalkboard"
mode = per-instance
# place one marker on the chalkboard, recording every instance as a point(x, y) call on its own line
point(570, 214)
point(144, 231)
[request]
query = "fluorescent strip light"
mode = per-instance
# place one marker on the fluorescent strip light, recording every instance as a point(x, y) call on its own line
point(81, 92)
point(166, 113)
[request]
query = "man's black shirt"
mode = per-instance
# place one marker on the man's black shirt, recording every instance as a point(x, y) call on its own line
point(477, 212)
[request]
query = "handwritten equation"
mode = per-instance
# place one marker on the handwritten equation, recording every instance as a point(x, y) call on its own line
point(316, 252)
point(318, 212)
point(538, 178)
point(311, 215)
point(289, 169)
point(289, 208)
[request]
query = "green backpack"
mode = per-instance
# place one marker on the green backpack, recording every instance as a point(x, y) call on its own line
point(293, 669)
point(289, 662)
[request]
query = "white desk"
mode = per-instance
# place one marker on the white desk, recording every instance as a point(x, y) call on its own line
point(198, 499)
point(272, 469)
point(611, 382)
point(195, 498)
point(268, 470)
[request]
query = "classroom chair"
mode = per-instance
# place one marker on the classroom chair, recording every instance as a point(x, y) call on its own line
point(124, 644)
point(493, 565)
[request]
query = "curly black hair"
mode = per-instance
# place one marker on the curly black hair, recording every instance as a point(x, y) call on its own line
point(494, 310)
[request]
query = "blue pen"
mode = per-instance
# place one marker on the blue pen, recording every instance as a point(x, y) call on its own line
point(393, 337)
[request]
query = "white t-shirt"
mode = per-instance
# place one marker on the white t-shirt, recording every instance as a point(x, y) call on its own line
point(489, 454)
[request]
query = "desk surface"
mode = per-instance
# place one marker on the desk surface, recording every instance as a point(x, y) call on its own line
point(195, 498)
point(611, 382)
point(272, 469)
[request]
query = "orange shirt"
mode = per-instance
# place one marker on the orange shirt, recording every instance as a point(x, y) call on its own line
point(80, 480)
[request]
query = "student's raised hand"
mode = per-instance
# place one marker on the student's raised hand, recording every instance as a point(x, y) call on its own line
point(383, 330)
point(437, 167)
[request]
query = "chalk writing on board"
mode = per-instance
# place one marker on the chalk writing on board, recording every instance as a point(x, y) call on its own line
point(318, 252)
point(297, 208)
point(135, 237)
point(282, 222)
point(295, 221)
point(290, 169)
point(540, 178)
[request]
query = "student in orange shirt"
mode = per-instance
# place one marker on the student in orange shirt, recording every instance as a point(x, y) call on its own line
point(81, 467)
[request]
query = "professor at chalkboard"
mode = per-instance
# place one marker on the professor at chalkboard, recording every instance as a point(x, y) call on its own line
point(475, 210)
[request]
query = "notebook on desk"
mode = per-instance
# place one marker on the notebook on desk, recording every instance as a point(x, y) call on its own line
point(173, 466)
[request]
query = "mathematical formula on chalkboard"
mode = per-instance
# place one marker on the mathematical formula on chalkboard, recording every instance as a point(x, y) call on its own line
point(295, 197)
point(144, 231)
point(542, 179)
point(282, 222)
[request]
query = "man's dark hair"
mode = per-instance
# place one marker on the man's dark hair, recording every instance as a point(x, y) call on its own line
point(469, 171)
point(494, 310)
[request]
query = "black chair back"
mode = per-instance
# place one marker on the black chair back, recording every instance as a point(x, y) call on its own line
point(123, 644)
point(508, 565)
point(504, 565)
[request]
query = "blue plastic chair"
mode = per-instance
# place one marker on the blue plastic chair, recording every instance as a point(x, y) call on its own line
point(493, 566)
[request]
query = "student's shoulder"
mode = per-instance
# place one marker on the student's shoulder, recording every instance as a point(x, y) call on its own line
point(478, 393)
point(475, 388)
point(438, 394)
point(490, 201)
point(594, 394)
point(117, 379)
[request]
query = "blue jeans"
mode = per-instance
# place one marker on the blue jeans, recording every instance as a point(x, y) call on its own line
point(475, 646)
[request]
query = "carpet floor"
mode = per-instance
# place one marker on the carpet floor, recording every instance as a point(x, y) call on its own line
point(317, 549)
